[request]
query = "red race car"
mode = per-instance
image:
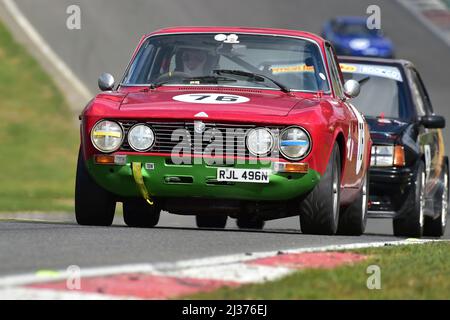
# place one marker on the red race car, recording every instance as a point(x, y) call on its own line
point(218, 122)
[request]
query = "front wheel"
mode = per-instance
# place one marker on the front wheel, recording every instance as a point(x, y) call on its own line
point(411, 223)
point(436, 227)
point(353, 219)
point(138, 213)
point(94, 206)
point(319, 211)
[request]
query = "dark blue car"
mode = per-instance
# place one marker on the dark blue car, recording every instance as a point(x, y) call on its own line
point(351, 37)
point(409, 177)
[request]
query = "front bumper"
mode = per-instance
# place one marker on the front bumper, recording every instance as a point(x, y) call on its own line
point(167, 180)
point(391, 191)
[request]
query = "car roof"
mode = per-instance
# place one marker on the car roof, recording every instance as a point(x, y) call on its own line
point(351, 19)
point(225, 29)
point(380, 61)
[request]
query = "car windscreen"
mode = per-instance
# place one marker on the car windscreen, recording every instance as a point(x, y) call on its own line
point(356, 30)
point(194, 59)
point(382, 90)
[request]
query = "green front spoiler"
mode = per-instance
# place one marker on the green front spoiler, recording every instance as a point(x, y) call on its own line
point(196, 180)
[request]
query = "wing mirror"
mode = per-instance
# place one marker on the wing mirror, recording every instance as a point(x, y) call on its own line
point(106, 82)
point(352, 88)
point(433, 122)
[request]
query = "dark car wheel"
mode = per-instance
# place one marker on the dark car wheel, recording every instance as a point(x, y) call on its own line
point(436, 227)
point(319, 211)
point(353, 219)
point(410, 224)
point(139, 214)
point(94, 206)
point(250, 223)
point(211, 221)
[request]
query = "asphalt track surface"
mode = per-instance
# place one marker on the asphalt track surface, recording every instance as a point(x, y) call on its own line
point(110, 31)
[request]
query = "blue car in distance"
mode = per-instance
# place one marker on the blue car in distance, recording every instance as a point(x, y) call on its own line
point(350, 36)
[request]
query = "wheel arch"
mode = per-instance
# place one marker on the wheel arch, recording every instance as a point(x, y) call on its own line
point(340, 139)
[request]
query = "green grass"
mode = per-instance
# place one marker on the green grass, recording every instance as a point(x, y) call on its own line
point(38, 136)
point(407, 272)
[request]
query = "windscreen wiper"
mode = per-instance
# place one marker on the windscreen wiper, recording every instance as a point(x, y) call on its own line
point(155, 85)
point(208, 79)
point(253, 76)
point(363, 80)
point(191, 80)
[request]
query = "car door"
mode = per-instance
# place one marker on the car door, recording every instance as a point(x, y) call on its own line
point(430, 140)
point(356, 140)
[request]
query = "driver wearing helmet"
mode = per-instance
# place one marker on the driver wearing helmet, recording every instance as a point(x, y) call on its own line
point(194, 62)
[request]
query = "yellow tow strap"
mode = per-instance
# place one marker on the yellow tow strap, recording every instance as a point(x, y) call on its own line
point(139, 179)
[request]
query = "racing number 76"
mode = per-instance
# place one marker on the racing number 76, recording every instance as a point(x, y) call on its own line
point(218, 98)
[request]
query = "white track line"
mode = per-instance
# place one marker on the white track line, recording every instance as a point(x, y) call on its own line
point(46, 50)
point(197, 268)
point(415, 7)
point(45, 294)
point(234, 272)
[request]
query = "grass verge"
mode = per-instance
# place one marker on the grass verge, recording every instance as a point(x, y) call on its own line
point(407, 272)
point(38, 138)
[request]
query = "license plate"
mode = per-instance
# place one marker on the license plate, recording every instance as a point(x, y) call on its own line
point(243, 175)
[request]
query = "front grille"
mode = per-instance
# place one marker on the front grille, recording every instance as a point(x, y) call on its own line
point(164, 133)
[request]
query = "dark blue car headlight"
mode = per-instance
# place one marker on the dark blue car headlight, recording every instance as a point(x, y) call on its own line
point(359, 44)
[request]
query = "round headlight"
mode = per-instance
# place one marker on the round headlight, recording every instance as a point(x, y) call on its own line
point(260, 141)
point(359, 44)
point(141, 137)
point(107, 136)
point(294, 143)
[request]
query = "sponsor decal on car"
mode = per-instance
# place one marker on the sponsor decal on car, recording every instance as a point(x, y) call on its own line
point(291, 68)
point(373, 70)
point(211, 98)
point(231, 38)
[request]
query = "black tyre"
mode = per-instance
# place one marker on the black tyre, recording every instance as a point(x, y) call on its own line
point(319, 211)
point(353, 219)
point(250, 223)
point(94, 206)
point(138, 213)
point(211, 221)
point(436, 227)
point(411, 223)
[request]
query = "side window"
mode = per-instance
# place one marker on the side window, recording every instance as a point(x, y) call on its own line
point(417, 93)
point(335, 74)
point(140, 67)
point(424, 93)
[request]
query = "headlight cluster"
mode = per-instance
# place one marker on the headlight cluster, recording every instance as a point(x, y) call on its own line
point(260, 141)
point(107, 136)
point(141, 137)
point(294, 142)
point(387, 156)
